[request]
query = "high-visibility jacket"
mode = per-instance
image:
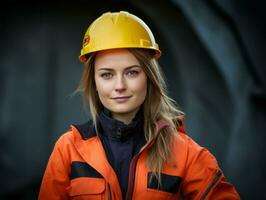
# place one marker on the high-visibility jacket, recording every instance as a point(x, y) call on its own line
point(78, 169)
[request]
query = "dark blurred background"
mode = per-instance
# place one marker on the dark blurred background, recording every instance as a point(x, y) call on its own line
point(213, 56)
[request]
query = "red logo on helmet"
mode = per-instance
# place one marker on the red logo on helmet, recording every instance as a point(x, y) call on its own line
point(86, 40)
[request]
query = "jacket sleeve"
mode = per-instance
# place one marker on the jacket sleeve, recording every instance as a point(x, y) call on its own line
point(56, 180)
point(204, 179)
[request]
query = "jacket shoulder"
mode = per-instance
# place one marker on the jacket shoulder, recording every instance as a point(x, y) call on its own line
point(76, 132)
point(65, 139)
point(194, 150)
point(189, 153)
point(183, 138)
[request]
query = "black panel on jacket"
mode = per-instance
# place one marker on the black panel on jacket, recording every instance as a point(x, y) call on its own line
point(82, 169)
point(169, 183)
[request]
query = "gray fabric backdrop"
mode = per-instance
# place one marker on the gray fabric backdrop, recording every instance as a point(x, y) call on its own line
point(213, 56)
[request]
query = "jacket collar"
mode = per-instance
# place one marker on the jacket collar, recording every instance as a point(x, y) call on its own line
point(117, 130)
point(86, 130)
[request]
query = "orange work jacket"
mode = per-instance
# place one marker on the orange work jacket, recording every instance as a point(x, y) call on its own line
point(78, 169)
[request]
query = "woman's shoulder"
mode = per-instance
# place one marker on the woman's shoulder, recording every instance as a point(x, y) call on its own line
point(187, 141)
point(67, 137)
point(189, 155)
point(77, 132)
point(182, 134)
point(187, 145)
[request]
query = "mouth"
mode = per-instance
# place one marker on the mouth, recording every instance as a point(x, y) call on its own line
point(122, 99)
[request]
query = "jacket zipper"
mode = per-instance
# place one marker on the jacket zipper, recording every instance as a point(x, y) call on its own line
point(214, 181)
point(133, 163)
point(131, 178)
point(108, 192)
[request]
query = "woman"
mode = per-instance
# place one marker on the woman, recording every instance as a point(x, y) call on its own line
point(135, 146)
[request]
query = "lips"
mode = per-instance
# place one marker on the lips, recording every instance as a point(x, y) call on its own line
point(121, 99)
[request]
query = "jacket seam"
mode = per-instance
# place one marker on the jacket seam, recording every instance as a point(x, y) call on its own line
point(211, 185)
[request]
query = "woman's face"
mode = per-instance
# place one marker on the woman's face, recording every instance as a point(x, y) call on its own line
point(121, 83)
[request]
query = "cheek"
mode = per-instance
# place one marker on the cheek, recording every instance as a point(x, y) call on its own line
point(103, 89)
point(141, 87)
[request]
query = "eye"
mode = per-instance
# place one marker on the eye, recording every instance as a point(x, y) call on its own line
point(107, 75)
point(132, 73)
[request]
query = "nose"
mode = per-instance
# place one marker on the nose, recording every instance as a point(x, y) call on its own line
point(120, 84)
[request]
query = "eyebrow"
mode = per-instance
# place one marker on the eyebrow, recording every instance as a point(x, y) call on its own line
point(112, 69)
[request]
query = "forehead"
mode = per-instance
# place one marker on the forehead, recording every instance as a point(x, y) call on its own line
point(115, 58)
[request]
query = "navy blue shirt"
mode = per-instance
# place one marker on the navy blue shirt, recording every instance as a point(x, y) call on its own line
point(121, 142)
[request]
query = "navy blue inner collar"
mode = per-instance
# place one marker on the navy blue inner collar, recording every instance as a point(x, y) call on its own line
point(116, 129)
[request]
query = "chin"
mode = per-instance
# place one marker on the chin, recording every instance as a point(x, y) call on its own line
point(122, 109)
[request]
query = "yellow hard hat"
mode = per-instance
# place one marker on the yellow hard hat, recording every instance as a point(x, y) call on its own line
point(118, 30)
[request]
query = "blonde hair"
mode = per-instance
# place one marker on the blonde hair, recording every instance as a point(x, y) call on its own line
point(157, 106)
